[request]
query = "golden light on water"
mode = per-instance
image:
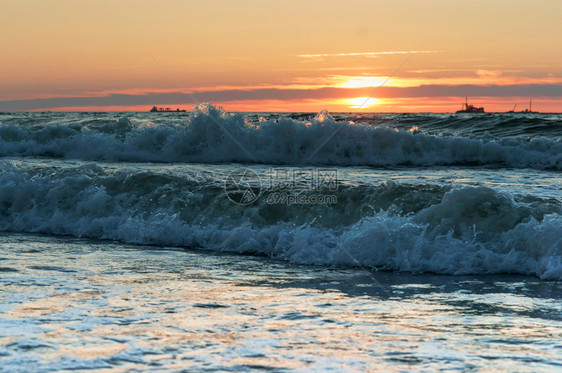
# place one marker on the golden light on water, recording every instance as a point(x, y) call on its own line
point(362, 102)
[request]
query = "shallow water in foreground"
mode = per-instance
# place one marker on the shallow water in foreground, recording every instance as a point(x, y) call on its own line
point(73, 304)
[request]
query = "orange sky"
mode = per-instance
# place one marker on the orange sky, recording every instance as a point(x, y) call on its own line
point(302, 55)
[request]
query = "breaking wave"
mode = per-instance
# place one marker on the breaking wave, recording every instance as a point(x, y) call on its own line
point(210, 135)
point(390, 226)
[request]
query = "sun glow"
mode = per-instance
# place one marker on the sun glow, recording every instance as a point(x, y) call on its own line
point(362, 102)
point(362, 81)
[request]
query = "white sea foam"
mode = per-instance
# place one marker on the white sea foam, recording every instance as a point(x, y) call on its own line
point(211, 135)
point(418, 228)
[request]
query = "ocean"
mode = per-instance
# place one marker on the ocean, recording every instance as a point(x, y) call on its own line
point(268, 241)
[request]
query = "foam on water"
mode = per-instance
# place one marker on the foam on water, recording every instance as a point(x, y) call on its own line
point(77, 304)
point(423, 227)
point(207, 136)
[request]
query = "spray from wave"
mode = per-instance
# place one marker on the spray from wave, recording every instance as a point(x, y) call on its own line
point(390, 226)
point(207, 135)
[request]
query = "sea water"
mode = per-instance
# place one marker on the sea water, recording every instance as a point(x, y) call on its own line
point(211, 240)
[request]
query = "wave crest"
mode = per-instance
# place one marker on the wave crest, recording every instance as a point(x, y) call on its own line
point(211, 135)
point(390, 226)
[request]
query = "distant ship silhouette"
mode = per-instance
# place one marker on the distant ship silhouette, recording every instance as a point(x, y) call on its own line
point(160, 110)
point(466, 108)
point(526, 111)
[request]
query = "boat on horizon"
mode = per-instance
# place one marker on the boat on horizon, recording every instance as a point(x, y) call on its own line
point(526, 111)
point(467, 108)
point(165, 110)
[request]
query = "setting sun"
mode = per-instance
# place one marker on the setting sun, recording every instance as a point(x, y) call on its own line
point(362, 102)
point(317, 185)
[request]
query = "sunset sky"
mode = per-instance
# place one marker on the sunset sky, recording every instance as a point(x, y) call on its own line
point(304, 55)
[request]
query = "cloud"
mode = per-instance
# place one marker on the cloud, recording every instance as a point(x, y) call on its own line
point(229, 95)
point(362, 54)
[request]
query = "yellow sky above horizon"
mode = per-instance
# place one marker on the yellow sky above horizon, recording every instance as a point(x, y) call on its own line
point(77, 48)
